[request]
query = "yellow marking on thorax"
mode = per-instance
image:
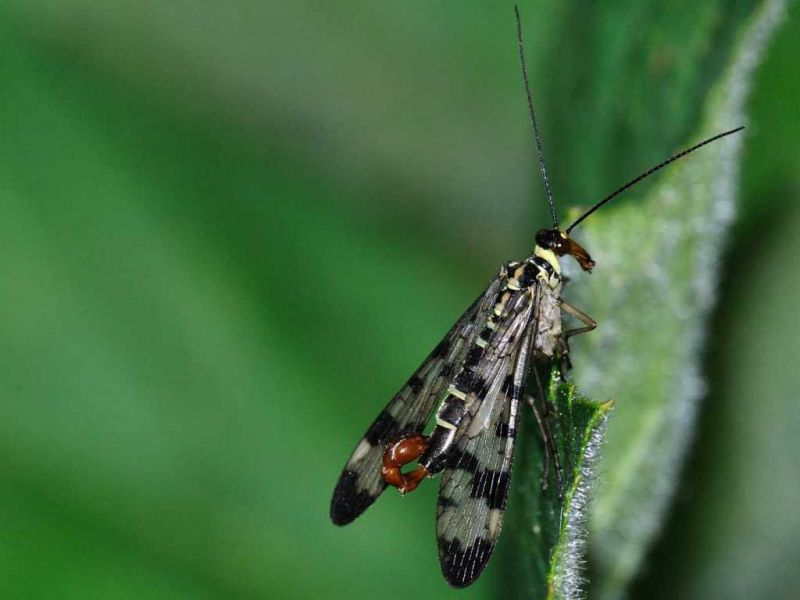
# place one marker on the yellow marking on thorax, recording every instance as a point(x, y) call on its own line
point(501, 304)
point(513, 282)
point(550, 257)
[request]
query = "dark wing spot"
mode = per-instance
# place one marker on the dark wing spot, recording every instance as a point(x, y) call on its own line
point(473, 357)
point(463, 381)
point(347, 502)
point(502, 430)
point(481, 387)
point(383, 430)
point(461, 459)
point(447, 371)
point(441, 349)
point(510, 388)
point(415, 383)
point(445, 502)
point(461, 566)
point(491, 486)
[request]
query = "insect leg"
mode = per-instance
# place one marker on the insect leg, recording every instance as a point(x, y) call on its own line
point(589, 325)
point(546, 469)
point(589, 322)
point(550, 450)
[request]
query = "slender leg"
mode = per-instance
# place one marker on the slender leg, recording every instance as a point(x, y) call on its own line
point(543, 432)
point(551, 452)
point(589, 325)
point(589, 322)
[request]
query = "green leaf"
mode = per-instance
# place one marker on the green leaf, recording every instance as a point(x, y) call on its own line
point(659, 263)
point(551, 529)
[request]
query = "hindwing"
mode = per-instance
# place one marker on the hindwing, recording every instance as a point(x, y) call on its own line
point(361, 481)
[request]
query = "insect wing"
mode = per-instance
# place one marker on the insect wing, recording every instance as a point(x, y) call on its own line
point(475, 484)
point(361, 481)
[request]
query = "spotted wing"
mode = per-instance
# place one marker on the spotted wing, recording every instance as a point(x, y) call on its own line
point(361, 482)
point(474, 487)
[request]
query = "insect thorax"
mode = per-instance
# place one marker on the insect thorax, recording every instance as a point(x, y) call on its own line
point(540, 275)
point(548, 314)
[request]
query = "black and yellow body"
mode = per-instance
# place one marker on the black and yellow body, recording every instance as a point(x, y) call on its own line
point(529, 295)
point(473, 382)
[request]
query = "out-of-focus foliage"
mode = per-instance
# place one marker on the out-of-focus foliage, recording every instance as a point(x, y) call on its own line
point(660, 262)
point(228, 231)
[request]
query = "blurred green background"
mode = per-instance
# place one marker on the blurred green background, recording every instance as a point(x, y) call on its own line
point(228, 231)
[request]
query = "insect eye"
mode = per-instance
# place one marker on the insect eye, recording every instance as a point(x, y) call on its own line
point(549, 239)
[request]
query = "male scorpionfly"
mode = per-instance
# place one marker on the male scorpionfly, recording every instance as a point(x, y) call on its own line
point(476, 377)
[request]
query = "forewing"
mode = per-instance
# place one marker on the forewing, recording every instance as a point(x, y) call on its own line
point(361, 482)
point(474, 487)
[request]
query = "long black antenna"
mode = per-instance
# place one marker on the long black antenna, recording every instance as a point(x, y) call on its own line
point(649, 172)
point(539, 150)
